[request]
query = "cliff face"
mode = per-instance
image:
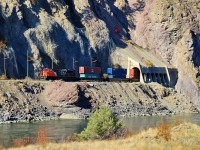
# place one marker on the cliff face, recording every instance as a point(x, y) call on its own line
point(59, 30)
point(170, 30)
point(85, 30)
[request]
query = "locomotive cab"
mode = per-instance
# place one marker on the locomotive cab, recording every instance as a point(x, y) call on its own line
point(47, 73)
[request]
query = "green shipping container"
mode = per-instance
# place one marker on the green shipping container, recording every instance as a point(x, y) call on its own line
point(89, 76)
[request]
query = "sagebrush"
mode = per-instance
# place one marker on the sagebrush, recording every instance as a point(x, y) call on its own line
point(148, 63)
point(164, 131)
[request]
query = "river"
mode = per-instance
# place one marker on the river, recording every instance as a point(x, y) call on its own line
point(58, 130)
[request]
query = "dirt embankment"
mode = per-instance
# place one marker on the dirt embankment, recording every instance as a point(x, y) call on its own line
point(39, 100)
point(19, 102)
point(125, 99)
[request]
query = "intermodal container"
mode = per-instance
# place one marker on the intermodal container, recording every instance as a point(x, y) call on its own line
point(134, 73)
point(119, 76)
point(89, 70)
point(110, 76)
point(109, 71)
point(89, 76)
point(117, 71)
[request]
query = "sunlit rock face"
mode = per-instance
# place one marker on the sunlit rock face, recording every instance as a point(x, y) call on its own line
point(170, 30)
point(85, 30)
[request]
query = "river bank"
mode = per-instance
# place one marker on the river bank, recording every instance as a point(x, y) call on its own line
point(184, 136)
point(59, 130)
point(41, 100)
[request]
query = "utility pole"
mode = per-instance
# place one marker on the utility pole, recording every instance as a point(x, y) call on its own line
point(93, 61)
point(5, 64)
point(110, 52)
point(52, 62)
point(74, 62)
point(3, 49)
point(50, 47)
point(27, 63)
point(52, 59)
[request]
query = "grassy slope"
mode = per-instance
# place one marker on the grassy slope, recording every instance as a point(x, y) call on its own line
point(184, 136)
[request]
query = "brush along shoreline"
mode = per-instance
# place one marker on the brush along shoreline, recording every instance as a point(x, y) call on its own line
point(183, 136)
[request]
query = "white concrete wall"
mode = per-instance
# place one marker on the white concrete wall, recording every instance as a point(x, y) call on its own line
point(151, 74)
point(131, 64)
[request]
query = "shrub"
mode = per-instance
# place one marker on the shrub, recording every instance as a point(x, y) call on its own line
point(105, 76)
point(3, 77)
point(33, 2)
point(3, 44)
point(164, 131)
point(40, 59)
point(177, 122)
point(27, 79)
point(73, 137)
point(23, 142)
point(42, 137)
point(117, 65)
point(21, 85)
point(103, 124)
point(148, 63)
point(129, 42)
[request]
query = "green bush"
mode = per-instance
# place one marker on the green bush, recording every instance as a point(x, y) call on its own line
point(103, 124)
point(148, 63)
point(105, 76)
point(117, 65)
point(3, 77)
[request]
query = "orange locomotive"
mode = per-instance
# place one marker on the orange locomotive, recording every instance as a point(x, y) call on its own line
point(46, 72)
point(64, 74)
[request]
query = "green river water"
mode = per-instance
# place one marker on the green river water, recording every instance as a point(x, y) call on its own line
point(58, 130)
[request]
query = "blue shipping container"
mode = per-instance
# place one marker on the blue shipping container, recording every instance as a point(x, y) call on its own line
point(109, 71)
point(116, 71)
point(89, 76)
point(119, 76)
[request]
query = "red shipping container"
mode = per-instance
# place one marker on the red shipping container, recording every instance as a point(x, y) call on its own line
point(89, 70)
point(134, 73)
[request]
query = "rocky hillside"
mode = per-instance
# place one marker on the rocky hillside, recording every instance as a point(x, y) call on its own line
point(60, 30)
point(171, 30)
point(36, 100)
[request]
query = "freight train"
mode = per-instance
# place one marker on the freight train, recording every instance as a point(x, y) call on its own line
point(92, 74)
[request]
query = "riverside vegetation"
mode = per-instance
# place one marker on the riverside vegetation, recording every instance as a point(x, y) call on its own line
point(104, 124)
